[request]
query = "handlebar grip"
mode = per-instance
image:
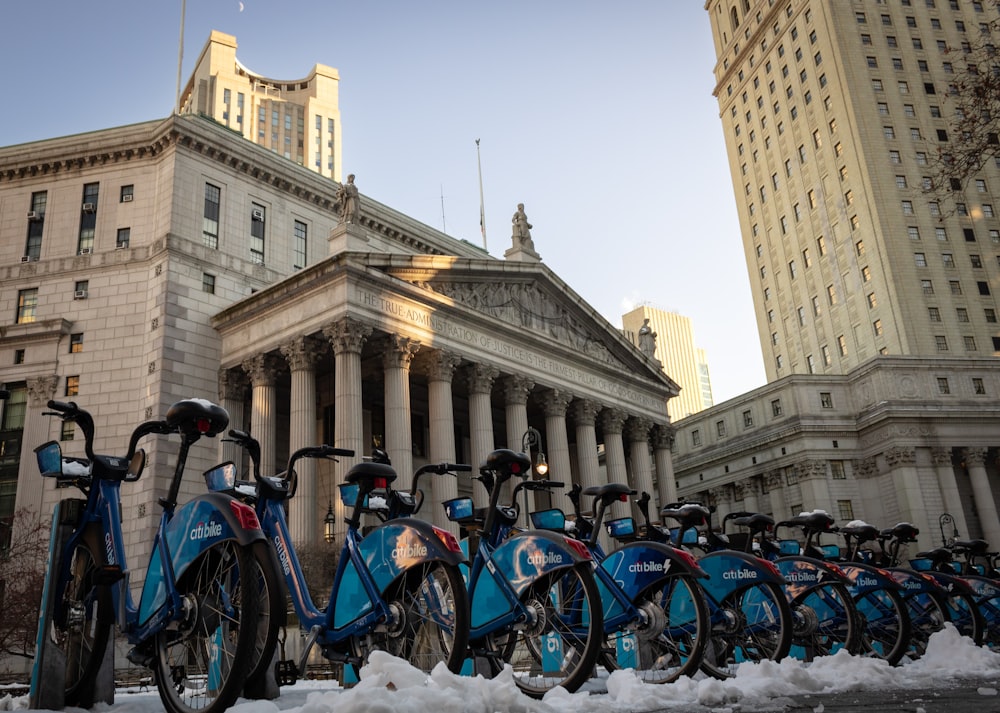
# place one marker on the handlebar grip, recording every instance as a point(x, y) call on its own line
point(331, 451)
point(458, 467)
point(63, 406)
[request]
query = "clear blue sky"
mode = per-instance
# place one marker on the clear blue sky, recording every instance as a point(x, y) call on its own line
point(598, 116)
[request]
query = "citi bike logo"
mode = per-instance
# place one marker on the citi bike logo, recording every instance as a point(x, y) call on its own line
point(109, 548)
point(205, 530)
point(740, 574)
point(640, 567)
point(279, 547)
point(797, 577)
point(543, 558)
point(409, 550)
point(866, 582)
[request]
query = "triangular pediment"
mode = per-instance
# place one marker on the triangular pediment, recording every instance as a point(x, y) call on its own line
point(529, 298)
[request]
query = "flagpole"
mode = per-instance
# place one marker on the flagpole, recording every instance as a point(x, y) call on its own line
point(482, 206)
point(180, 57)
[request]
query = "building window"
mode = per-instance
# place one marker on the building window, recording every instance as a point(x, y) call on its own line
point(124, 234)
point(866, 274)
point(872, 300)
point(776, 407)
point(941, 342)
point(914, 232)
point(810, 364)
point(845, 510)
point(943, 386)
point(894, 157)
point(837, 471)
point(18, 356)
point(948, 260)
point(888, 132)
point(257, 216)
point(934, 314)
point(978, 387)
point(842, 345)
point(984, 287)
point(67, 431)
point(126, 194)
point(76, 343)
point(747, 419)
point(208, 283)
point(88, 219)
point(299, 248)
point(72, 386)
point(969, 343)
point(696, 437)
point(941, 234)
point(821, 245)
point(720, 429)
point(955, 287)
point(877, 327)
point(920, 259)
point(831, 294)
point(991, 315)
point(210, 218)
point(27, 305)
point(815, 305)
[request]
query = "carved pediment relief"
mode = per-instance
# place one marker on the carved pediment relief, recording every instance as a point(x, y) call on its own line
point(526, 306)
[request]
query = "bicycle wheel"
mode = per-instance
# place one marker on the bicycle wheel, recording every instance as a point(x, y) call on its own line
point(825, 622)
point(431, 608)
point(965, 615)
point(560, 643)
point(671, 639)
point(928, 613)
point(203, 660)
point(750, 624)
point(885, 624)
point(81, 626)
point(270, 593)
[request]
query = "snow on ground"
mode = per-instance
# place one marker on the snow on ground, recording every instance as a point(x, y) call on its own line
point(390, 685)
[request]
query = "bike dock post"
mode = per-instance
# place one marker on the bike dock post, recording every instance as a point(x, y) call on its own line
point(48, 674)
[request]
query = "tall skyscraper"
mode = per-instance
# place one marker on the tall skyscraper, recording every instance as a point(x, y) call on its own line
point(681, 359)
point(834, 113)
point(295, 118)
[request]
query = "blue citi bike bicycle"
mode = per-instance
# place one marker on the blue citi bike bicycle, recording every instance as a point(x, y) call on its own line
point(398, 587)
point(656, 620)
point(196, 620)
point(534, 599)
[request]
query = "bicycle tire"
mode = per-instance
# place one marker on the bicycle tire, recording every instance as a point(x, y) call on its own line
point(187, 677)
point(753, 623)
point(928, 613)
point(826, 622)
point(82, 628)
point(271, 609)
point(567, 631)
point(671, 641)
point(885, 629)
point(964, 613)
point(433, 618)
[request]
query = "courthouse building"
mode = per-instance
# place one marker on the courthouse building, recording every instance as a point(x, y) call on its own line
point(175, 258)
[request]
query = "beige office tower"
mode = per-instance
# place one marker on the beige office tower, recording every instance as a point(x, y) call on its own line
point(295, 118)
point(681, 359)
point(834, 112)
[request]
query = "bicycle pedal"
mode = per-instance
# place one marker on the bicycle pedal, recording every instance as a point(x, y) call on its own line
point(286, 672)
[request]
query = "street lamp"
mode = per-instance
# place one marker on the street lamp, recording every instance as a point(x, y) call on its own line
point(533, 439)
point(328, 525)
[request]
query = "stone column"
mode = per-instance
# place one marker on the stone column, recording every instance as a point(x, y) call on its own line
point(747, 491)
point(301, 354)
point(975, 459)
point(722, 498)
point(398, 435)
point(30, 485)
point(776, 485)
point(554, 403)
point(902, 463)
point(585, 417)
point(666, 480)
point(232, 394)
point(263, 372)
point(439, 488)
point(612, 423)
point(866, 474)
point(516, 389)
point(347, 336)
point(637, 432)
point(815, 487)
point(945, 469)
point(480, 378)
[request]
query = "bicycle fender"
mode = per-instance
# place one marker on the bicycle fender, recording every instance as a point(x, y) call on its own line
point(951, 583)
point(912, 583)
point(195, 526)
point(866, 578)
point(729, 571)
point(983, 588)
point(400, 544)
point(804, 573)
point(637, 565)
point(527, 556)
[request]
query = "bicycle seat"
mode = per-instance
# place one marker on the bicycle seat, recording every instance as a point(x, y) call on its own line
point(504, 460)
point(817, 521)
point(864, 533)
point(757, 522)
point(903, 531)
point(974, 548)
point(938, 555)
point(609, 492)
point(197, 417)
point(368, 472)
point(687, 514)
